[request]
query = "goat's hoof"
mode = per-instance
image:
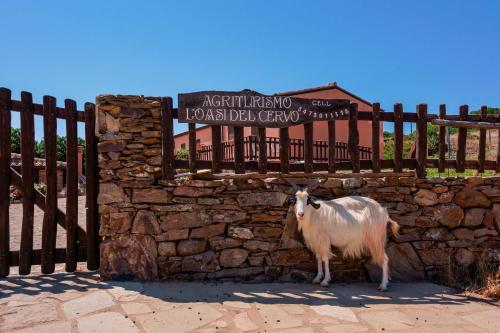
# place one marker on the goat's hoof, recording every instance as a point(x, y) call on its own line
point(324, 283)
point(316, 280)
point(382, 288)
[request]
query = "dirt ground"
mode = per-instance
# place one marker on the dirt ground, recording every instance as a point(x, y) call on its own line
point(16, 219)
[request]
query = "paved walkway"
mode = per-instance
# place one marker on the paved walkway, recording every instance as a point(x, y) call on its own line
point(80, 303)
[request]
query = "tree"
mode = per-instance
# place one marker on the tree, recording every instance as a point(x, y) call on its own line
point(489, 111)
point(182, 154)
point(388, 145)
point(60, 148)
point(15, 138)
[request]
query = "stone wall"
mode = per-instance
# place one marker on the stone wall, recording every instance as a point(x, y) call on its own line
point(240, 229)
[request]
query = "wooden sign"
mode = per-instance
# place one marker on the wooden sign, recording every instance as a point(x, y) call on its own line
point(249, 108)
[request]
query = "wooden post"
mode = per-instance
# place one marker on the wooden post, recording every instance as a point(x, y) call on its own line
point(71, 186)
point(421, 152)
point(192, 147)
point(376, 137)
point(239, 156)
point(462, 140)
point(262, 150)
point(284, 150)
point(331, 147)
point(168, 138)
point(28, 174)
point(398, 137)
point(442, 139)
point(308, 147)
point(49, 228)
point(216, 148)
point(91, 191)
point(5, 151)
point(354, 137)
point(482, 141)
point(498, 149)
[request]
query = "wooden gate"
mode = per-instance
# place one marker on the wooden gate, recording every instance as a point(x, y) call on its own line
point(81, 245)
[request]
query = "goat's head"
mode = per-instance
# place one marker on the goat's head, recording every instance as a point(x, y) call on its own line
point(302, 197)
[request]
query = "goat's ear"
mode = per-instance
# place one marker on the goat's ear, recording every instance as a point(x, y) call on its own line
point(315, 205)
point(292, 200)
point(310, 201)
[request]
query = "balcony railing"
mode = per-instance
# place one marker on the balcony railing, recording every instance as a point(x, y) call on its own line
point(296, 153)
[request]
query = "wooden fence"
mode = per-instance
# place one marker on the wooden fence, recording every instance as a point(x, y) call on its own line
point(81, 245)
point(296, 151)
point(264, 161)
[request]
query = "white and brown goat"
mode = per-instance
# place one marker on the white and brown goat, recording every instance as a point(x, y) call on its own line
point(353, 224)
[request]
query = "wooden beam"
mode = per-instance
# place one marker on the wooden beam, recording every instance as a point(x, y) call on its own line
point(421, 153)
point(442, 139)
point(254, 175)
point(462, 140)
point(17, 182)
point(498, 147)
point(262, 150)
point(284, 150)
point(482, 141)
point(354, 137)
point(49, 227)
point(92, 188)
point(398, 137)
point(331, 146)
point(59, 256)
point(308, 147)
point(192, 147)
point(5, 152)
point(216, 148)
point(168, 138)
point(239, 153)
point(28, 175)
point(376, 138)
point(465, 124)
point(71, 186)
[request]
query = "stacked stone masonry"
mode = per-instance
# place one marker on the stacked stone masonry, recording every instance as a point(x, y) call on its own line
point(245, 230)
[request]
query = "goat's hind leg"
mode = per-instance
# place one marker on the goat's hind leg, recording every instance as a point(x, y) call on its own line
point(385, 274)
point(327, 278)
point(319, 276)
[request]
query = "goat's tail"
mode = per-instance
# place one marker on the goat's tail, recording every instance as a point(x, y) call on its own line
point(394, 227)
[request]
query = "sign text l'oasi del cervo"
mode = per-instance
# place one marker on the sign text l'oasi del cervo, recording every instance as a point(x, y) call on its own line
point(249, 108)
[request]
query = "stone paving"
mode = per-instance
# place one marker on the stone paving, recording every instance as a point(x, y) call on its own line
point(79, 302)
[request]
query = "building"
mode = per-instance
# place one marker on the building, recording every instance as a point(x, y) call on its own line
point(39, 166)
point(320, 128)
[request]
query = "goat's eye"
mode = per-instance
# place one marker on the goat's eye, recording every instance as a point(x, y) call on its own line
point(292, 200)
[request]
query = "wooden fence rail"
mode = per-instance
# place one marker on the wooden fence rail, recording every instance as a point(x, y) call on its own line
point(81, 245)
point(285, 154)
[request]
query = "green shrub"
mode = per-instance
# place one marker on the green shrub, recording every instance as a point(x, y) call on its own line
point(182, 154)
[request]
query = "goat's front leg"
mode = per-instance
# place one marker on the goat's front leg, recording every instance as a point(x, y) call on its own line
point(327, 278)
point(319, 276)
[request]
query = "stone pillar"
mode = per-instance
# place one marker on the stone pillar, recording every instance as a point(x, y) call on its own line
point(129, 133)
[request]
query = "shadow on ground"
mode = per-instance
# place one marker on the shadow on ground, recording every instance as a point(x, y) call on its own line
point(353, 295)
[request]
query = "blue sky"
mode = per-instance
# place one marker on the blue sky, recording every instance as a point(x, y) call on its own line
point(386, 51)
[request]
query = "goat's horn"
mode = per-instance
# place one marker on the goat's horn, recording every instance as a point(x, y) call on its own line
point(314, 186)
point(293, 185)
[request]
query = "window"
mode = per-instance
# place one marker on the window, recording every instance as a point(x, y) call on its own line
point(183, 146)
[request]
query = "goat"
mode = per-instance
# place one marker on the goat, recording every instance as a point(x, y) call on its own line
point(354, 224)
